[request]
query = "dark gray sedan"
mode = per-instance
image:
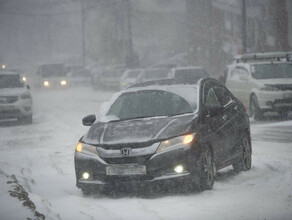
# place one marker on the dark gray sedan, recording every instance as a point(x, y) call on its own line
point(163, 133)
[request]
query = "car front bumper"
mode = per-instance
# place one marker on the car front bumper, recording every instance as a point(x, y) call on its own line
point(159, 169)
point(275, 101)
point(18, 109)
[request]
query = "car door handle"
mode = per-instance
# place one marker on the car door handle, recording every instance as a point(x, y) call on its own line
point(236, 108)
point(224, 117)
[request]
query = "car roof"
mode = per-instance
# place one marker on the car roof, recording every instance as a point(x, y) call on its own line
point(188, 67)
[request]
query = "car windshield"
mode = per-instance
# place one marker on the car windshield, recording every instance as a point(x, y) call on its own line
point(150, 103)
point(272, 71)
point(52, 70)
point(156, 74)
point(10, 81)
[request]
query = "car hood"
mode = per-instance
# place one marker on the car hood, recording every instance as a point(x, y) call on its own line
point(12, 91)
point(275, 81)
point(138, 130)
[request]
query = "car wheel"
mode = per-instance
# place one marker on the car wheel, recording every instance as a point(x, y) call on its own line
point(283, 114)
point(26, 119)
point(255, 110)
point(207, 169)
point(244, 162)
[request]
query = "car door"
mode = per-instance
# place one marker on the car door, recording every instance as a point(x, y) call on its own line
point(232, 121)
point(216, 125)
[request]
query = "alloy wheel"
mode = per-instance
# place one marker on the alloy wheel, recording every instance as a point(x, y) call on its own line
point(208, 168)
point(246, 154)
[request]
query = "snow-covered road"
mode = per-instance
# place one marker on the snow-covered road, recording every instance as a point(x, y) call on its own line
point(38, 159)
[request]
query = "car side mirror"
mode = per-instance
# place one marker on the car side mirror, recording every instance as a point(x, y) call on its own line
point(215, 110)
point(88, 120)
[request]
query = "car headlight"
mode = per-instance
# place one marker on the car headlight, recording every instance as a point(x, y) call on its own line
point(25, 95)
point(63, 83)
point(46, 83)
point(269, 88)
point(181, 141)
point(86, 149)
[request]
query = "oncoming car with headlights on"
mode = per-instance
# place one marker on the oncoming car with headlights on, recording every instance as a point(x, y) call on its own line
point(164, 133)
point(52, 75)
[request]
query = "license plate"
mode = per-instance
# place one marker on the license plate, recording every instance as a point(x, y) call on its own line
point(125, 169)
point(287, 95)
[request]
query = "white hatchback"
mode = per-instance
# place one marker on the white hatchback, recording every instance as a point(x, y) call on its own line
point(15, 98)
point(262, 86)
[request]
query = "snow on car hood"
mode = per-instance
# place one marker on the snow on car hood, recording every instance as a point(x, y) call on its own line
point(138, 130)
point(12, 91)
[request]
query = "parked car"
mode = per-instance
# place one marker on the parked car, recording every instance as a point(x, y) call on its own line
point(80, 77)
point(188, 74)
point(164, 133)
point(263, 82)
point(130, 77)
point(53, 75)
point(153, 74)
point(110, 78)
point(15, 97)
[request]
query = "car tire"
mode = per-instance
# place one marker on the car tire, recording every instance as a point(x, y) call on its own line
point(244, 162)
point(207, 173)
point(255, 110)
point(283, 115)
point(26, 119)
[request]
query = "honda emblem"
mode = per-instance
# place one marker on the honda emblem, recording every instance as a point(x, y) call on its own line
point(125, 151)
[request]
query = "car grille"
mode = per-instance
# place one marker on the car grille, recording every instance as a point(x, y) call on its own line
point(9, 111)
point(283, 101)
point(8, 99)
point(283, 87)
point(128, 160)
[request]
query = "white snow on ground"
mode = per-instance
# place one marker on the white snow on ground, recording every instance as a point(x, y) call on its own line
point(41, 158)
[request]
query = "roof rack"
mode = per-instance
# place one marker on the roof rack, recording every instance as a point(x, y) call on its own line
point(270, 56)
point(154, 82)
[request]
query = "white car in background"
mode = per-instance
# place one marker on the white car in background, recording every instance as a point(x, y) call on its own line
point(152, 74)
point(130, 77)
point(188, 74)
point(263, 82)
point(15, 98)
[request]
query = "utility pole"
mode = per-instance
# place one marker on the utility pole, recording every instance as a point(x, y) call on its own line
point(131, 59)
point(243, 26)
point(83, 32)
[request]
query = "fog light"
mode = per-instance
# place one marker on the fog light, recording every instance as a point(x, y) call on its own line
point(46, 83)
point(85, 175)
point(179, 168)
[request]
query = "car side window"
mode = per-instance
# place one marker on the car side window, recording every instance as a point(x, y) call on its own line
point(223, 95)
point(211, 99)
